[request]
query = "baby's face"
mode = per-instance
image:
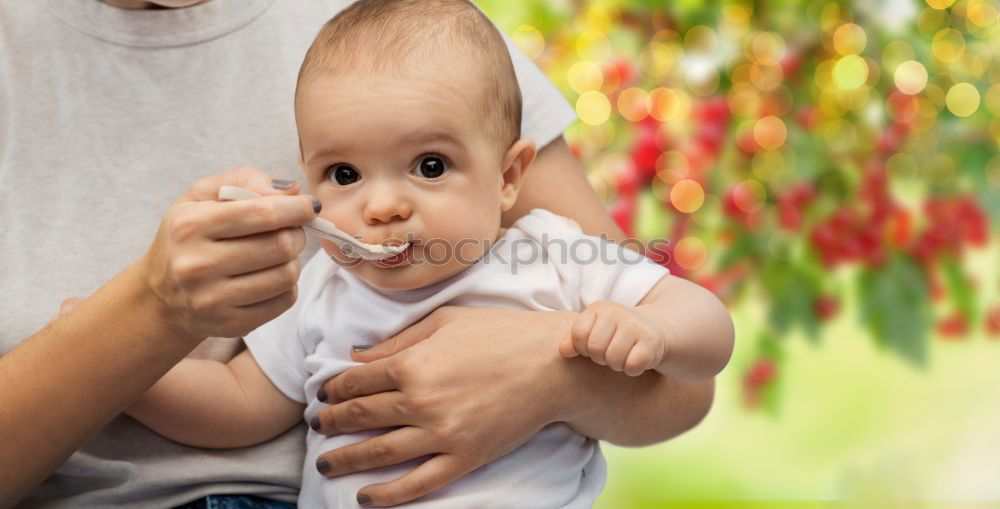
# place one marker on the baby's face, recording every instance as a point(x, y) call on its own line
point(402, 160)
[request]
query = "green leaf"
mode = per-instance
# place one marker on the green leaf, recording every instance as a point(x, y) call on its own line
point(770, 395)
point(961, 292)
point(895, 308)
point(791, 291)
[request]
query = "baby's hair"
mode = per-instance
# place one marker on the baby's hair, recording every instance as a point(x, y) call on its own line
point(379, 36)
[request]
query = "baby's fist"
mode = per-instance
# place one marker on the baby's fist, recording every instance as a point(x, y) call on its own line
point(616, 336)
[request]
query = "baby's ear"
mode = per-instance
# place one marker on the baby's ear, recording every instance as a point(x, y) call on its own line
point(515, 162)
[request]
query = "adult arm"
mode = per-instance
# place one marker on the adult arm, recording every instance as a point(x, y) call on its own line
point(214, 269)
point(556, 182)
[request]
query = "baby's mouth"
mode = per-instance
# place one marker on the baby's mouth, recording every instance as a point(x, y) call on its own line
point(390, 241)
point(396, 260)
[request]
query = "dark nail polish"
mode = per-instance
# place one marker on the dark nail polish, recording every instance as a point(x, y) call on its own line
point(314, 423)
point(282, 184)
point(317, 206)
point(360, 348)
point(322, 465)
point(321, 394)
point(364, 500)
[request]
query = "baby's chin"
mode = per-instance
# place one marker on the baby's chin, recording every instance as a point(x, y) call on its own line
point(406, 278)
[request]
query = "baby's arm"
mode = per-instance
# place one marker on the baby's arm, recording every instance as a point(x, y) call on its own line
point(679, 329)
point(210, 404)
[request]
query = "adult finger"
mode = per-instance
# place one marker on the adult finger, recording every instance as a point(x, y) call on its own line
point(382, 410)
point(430, 476)
point(247, 318)
point(363, 380)
point(264, 284)
point(68, 305)
point(260, 251)
point(384, 450)
point(226, 220)
point(405, 339)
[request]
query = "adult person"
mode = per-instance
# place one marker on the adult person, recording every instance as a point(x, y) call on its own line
point(108, 110)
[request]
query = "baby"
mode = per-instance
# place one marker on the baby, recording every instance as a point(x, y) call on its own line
point(408, 114)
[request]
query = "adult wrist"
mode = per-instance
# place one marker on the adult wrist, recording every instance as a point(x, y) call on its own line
point(566, 380)
point(164, 317)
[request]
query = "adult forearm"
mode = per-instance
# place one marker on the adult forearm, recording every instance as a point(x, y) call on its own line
point(636, 411)
point(556, 181)
point(67, 381)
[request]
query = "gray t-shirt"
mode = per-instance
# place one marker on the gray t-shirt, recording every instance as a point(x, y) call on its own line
point(106, 116)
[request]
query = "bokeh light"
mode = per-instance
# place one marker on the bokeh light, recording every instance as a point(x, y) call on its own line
point(770, 132)
point(633, 104)
point(687, 196)
point(593, 108)
point(850, 72)
point(585, 76)
point(529, 40)
point(911, 77)
point(963, 99)
point(691, 253)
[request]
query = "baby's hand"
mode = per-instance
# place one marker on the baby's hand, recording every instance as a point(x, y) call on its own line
point(617, 336)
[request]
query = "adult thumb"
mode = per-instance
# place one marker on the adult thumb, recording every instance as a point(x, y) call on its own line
point(405, 339)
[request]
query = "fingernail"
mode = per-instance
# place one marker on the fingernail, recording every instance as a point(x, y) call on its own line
point(360, 348)
point(322, 465)
point(364, 500)
point(282, 184)
point(317, 206)
point(321, 394)
point(314, 424)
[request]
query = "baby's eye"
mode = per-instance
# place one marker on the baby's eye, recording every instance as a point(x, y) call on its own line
point(431, 167)
point(342, 175)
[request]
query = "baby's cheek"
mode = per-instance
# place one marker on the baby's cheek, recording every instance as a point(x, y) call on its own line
point(437, 252)
point(471, 249)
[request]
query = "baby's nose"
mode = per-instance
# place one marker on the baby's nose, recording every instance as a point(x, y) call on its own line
point(386, 203)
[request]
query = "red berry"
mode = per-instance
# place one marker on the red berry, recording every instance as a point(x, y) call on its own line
point(730, 205)
point(952, 326)
point(808, 117)
point(761, 372)
point(826, 307)
point(993, 322)
point(789, 217)
point(843, 220)
point(645, 152)
point(900, 227)
point(623, 212)
point(790, 65)
point(747, 144)
point(824, 238)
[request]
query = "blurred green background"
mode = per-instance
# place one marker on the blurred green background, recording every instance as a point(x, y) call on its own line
point(830, 170)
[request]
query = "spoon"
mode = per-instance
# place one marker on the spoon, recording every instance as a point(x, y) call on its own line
point(325, 229)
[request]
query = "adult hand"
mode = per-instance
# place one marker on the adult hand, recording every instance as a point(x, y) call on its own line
point(224, 268)
point(467, 385)
point(66, 306)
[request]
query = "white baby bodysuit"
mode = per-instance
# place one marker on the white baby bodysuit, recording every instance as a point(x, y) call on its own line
point(543, 263)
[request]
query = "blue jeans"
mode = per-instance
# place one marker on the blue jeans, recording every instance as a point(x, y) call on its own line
point(235, 502)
